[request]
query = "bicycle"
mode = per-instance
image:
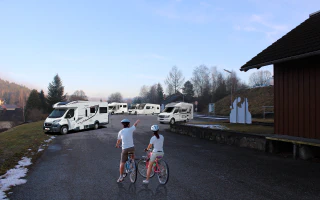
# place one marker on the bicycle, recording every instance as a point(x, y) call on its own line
point(160, 167)
point(130, 168)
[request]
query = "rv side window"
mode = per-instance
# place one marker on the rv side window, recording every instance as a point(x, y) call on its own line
point(124, 106)
point(184, 110)
point(158, 108)
point(92, 109)
point(70, 113)
point(120, 106)
point(103, 110)
point(86, 113)
point(147, 107)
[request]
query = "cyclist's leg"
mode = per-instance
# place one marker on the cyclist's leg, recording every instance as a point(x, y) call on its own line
point(124, 156)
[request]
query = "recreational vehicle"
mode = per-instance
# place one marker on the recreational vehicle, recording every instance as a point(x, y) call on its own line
point(133, 109)
point(118, 108)
point(148, 108)
point(175, 112)
point(76, 115)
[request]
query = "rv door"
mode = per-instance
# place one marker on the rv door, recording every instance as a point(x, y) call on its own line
point(70, 116)
point(176, 114)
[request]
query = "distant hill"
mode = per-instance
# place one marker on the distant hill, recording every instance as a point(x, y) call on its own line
point(257, 97)
point(13, 93)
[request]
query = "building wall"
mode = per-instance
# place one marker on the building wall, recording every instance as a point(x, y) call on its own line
point(297, 98)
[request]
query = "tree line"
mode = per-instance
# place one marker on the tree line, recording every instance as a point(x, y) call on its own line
point(12, 93)
point(207, 85)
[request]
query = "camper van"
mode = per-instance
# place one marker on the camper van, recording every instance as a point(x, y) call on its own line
point(175, 112)
point(76, 115)
point(147, 108)
point(118, 108)
point(133, 109)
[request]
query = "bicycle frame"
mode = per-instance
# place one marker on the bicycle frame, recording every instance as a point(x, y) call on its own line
point(156, 168)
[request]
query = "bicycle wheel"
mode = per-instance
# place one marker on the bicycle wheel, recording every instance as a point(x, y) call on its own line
point(163, 175)
point(133, 172)
point(142, 168)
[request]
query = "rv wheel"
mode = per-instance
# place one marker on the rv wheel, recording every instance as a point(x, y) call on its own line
point(96, 125)
point(112, 113)
point(64, 130)
point(172, 121)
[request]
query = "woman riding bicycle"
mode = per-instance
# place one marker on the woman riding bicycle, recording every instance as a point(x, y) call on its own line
point(157, 142)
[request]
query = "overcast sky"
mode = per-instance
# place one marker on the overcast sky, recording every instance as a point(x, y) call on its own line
point(102, 47)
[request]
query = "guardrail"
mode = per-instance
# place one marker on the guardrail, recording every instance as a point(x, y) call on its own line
point(269, 110)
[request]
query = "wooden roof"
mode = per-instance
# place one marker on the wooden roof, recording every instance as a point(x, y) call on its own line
point(302, 41)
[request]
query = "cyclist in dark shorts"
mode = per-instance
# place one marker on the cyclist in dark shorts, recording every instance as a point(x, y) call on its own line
point(125, 136)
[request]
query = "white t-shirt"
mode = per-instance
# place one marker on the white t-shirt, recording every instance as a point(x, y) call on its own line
point(157, 143)
point(126, 135)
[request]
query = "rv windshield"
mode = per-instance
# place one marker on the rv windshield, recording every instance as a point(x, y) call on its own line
point(57, 113)
point(168, 109)
point(141, 106)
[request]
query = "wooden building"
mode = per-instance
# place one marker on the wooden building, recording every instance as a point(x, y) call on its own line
point(296, 61)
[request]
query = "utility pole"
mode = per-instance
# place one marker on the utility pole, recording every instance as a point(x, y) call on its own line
point(231, 85)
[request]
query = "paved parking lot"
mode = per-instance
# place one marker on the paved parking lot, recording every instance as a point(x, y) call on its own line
point(84, 165)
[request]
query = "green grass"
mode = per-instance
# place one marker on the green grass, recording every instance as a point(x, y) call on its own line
point(242, 128)
point(23, 140)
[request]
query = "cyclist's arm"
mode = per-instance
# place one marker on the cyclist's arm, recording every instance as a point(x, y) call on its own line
point(149, 147)
point(118, 143)
point(136, 123)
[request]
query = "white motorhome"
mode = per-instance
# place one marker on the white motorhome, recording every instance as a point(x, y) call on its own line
point(133, 109)
point(76, 115)
point(175, 112)
point(118, 108)
point(147, 108)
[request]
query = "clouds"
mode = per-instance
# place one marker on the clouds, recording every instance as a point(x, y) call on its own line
point(190, 12)
point(264, 24)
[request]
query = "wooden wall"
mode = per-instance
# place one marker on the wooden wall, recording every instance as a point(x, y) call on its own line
point(297, 97)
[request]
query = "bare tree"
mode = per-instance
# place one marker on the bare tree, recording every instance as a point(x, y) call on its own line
point(200, 79)
point(259, 78)
point(170, 90)
point(115, 97)
point(175, 79)
point(78, 95)
point(144, 90)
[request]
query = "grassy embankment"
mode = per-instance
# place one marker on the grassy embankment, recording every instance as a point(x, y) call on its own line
point(20, 141)
point(257, 97)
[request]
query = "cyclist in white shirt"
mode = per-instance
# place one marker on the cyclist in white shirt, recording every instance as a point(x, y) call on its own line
point(126, 136)
point(157, 142)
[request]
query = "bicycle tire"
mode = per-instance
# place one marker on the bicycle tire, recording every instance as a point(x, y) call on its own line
point(142, 169)
point(163, 175)
point(133, 173)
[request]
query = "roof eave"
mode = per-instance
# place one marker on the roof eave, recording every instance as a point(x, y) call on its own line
point(280, 60)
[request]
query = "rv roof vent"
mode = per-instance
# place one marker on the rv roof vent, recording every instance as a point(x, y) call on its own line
point(63, 103)
point(315, 13)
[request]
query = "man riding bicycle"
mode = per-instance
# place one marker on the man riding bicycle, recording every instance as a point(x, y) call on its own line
point(125, 136)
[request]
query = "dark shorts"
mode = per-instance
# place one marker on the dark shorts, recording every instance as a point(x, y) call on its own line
point(124, 153)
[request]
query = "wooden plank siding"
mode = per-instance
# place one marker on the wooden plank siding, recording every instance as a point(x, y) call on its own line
point(297, 98)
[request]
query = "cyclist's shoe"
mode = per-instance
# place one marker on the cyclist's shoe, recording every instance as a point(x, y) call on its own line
point(145, 181)
point(120, 179)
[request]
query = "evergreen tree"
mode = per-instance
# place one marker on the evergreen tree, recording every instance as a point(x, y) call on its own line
point(160, 93)
point(33, 106)
point(55, 92)
point(188, 89)
point(43, 100)
point(33, 101)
